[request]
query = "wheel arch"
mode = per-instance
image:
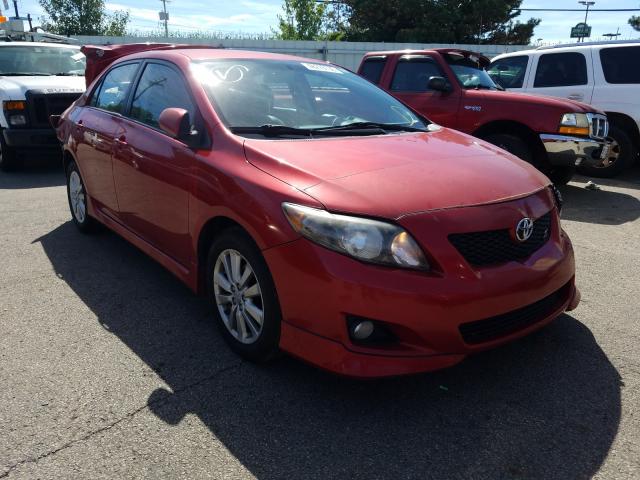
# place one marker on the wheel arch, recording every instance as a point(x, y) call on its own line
point(209, 231)
point(512, 127)
point(626, 123)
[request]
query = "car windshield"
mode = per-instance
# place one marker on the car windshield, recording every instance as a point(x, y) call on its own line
point(297, 96)
point(41, 60)
point(469, 71)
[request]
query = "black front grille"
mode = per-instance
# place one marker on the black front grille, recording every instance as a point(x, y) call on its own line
point(494, 247)
point(42, 105)
point(481, 331)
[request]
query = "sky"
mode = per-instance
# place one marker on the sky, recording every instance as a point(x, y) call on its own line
point(260, 16)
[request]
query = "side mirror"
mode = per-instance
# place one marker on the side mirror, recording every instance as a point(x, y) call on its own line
point(176, 123)
point(439, 84)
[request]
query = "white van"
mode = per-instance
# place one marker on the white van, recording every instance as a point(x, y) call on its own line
point(603, 74)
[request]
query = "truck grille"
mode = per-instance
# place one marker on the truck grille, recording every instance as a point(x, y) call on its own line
point(489, 329)
point(494, 247)
point(42, 105)
point(598, 126)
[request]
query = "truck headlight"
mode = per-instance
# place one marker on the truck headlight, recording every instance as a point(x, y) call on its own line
point(574, 124)
point(361, 238)
point(17, 120)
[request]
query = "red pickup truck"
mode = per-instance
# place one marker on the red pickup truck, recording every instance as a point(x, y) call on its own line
point(452, 88)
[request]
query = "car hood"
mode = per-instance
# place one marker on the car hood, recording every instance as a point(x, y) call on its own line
point(397, 174)
point(14, 88)
point(513, 98)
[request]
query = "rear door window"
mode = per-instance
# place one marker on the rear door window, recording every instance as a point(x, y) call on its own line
point(160, 87)
point(413, 73)
point(372, 68)
point(561, 70)
point(115, 88)
point(509, 72)
point(621, 64)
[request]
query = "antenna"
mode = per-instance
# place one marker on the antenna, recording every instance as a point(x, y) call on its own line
point(164, 17)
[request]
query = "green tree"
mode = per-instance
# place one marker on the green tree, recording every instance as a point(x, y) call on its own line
point(438, 21)
point(82, 17)
point(302, 20)
point(634, 21)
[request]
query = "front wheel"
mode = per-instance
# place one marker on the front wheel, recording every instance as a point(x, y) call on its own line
point(621, 156)
point(8, 157)
point(77, 196)
point(243, 295)
point(512, 144)
point(562, 175)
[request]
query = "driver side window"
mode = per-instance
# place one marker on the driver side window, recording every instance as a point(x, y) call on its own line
point(413, 74)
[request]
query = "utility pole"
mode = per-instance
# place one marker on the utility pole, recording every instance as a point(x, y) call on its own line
point(164, 16)
point(586, 14)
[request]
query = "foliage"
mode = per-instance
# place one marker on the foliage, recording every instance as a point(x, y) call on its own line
point(634, 21)
point(302, 20)
point(438, 21)
point(82, 17)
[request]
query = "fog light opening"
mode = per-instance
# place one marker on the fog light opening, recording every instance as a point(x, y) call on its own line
point(363, 331)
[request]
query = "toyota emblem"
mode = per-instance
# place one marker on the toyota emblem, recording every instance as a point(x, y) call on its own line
point(524, 229)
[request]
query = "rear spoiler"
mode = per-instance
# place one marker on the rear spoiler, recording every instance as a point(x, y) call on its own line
point(99, 57)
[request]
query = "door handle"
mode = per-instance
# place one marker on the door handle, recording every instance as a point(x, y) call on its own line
point(575, 96)
point(121, 140)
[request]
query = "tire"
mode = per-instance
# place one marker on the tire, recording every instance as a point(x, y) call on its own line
point(512, 144)
point(77, 197)
point(562, 175)
point(9, 161)
point(238, 305)
point(622, 155)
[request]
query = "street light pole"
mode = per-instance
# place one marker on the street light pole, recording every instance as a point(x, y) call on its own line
point(586, 13)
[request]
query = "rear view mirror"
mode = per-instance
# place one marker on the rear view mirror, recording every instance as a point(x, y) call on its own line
point(439, 84)
point(176, 123)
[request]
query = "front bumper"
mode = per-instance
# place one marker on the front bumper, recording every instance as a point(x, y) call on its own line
point(564, 150)
point(31, 138)
point(318, 288)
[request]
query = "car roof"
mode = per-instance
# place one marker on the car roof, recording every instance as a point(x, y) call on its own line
point(204, 53)
point(461, 51)
point(38, 44)
point(572, 47)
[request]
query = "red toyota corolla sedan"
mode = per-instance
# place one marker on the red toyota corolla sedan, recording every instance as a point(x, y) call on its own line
point(319, 215)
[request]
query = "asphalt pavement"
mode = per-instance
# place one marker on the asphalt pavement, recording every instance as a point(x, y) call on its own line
point(111, 368)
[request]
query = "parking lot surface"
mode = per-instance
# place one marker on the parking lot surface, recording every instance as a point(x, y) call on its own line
point(111, 368)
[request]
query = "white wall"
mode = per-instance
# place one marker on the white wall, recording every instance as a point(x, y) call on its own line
point(347, 54)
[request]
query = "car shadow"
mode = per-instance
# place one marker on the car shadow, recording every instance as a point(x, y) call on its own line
point(602, 206)
point(547, 406)
point(38, 175)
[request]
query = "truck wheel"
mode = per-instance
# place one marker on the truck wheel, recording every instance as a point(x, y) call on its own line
point(8, 157)
point(512, 144)
point(622, 155)
point(562, 175)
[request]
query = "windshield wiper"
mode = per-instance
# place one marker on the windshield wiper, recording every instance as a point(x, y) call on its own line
point(273, 130)
point(68, 74)
point(479, 87)
point(364, 128)
point(356, 126)
point(24, 74)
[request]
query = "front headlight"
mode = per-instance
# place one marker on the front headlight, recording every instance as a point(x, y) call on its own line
point(574, 124)
point(362, 238)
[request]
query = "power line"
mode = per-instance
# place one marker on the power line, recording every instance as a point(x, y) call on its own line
point(577, 9)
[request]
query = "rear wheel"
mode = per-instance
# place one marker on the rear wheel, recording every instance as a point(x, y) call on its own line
point(243, 295)
point(77, 196)
point(622, 155)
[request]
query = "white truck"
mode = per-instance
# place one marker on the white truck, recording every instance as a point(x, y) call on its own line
point(37, 79)
point(603, 74)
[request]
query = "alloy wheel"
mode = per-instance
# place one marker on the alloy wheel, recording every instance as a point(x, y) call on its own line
point(238, 296)
point(77, 197)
